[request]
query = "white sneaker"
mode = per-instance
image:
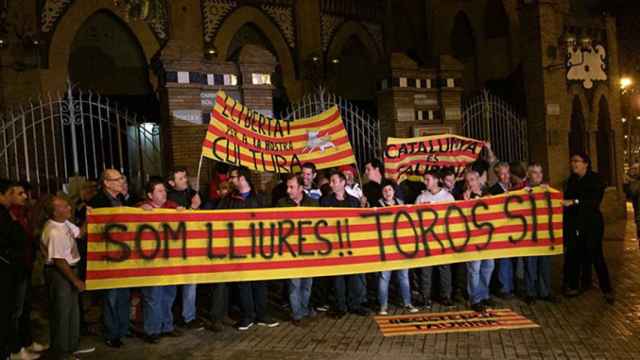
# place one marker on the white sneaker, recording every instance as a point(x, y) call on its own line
point(411, 309)
point(36, 347)
point(84, 351)
point(24, 355)
point(383, 311)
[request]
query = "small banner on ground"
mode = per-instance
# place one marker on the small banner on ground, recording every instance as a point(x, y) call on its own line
point(403, 157)
point(132, 247)
point(240, 136)
point(454, 321)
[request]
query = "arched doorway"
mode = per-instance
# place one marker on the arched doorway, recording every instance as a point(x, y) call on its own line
point(577, 134)
point(604, 141)
point(106, 58)
point(463, 48)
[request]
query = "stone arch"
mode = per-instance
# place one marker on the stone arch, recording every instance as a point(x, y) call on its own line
point(249, 14)
point(577, 129)
point(463, 47)
point(344, 34)
point(60, 47)
point(605, 141)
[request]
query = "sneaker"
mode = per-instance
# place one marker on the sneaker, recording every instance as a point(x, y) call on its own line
point(151, 339)
point(243, 325)
point(489, 303)
point(322, 308)
point(86, 350)
point(478, 307)
point(411, 309)
point(337, 314)
point(23, 355)
point(446, 302)
point(361, 311)
point(216, 326)
point(571, 293)
point(36, 347)
point(194, 324)
point(383, 311)
point(267, 322)
point(428, 305)
point(174, 333)
point(115, 343)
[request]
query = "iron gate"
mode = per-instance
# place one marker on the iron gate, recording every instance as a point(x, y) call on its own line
point(77, 134)
point(363, 129)
point(489, 118)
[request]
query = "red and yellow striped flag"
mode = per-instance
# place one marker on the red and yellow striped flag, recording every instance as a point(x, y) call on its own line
point(419, 154)
point(240, 136)
point(132, 247)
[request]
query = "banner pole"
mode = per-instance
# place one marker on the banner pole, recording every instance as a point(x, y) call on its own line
point(198, 176)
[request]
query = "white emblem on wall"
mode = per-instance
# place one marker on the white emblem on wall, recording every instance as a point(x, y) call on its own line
point(586, 65)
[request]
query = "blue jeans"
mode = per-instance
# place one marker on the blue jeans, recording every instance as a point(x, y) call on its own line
point(299, 294)
point(115, 313)
point(505, 275)
point(350, 291)
point(538, 276)
point(478, 279)
point(383, 286)
point(189, 302)
point(157, 303)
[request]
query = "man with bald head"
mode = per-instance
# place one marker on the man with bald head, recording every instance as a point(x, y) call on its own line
point(116, 301)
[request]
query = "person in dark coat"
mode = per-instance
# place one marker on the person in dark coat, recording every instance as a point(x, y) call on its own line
point(584, 229)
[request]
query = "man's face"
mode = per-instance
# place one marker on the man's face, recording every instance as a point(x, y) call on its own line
point(430, 181)
point(337, 184)
point(61, 209)
point(472, 180)
point(449, 181)
point(371, 172)
point(234, 178)
point(504, 176)
point(294, 190)
point(17, 196)
point(535, 175)
point(159, 195)
point(308, 175)
point(180, 181)
point(113, 181)
point(578, 166)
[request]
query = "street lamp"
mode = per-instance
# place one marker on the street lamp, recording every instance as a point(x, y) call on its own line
point(625, 82)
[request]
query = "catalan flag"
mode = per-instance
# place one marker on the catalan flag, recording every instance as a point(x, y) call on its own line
point(132, 247)
point(240, 136)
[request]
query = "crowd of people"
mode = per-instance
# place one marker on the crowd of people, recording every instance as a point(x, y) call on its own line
point(57, 235)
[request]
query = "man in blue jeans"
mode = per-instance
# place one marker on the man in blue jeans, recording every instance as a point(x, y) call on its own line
point(299, 289)
point(537, 268)
point(350, 289)
point(505, 266)
point(115, 311)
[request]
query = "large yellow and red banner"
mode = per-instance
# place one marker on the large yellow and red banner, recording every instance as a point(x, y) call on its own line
point(406, 156)
point(240, 136)
point(132, 247)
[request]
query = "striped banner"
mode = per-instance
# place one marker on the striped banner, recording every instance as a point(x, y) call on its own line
point(453, 321)
point(133, 247)
point(403, 157)
point(240, 136)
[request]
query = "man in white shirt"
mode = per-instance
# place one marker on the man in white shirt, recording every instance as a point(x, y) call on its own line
point(59, 248)
point(352, 188)
point(435, 194)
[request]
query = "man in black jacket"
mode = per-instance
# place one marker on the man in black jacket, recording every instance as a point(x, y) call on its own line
point(253, 294)
point(350, 290)
point(115, 309)
point(182, 194)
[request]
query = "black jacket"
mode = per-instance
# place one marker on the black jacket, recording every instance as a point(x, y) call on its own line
point(13, 240)
point(182, 197)
point(584, 216)
point(287, 202)
point(348, 202)
point(102, 200)
point(235, 201)
point(496, 189)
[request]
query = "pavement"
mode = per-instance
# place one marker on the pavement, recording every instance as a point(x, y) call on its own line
point(585, 327)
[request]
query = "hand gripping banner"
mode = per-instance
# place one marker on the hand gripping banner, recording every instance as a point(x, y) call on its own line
point(243, 137)
point(416, 155)
point(132, 247)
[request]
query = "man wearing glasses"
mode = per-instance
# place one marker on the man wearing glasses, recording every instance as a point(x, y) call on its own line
point(116, 301)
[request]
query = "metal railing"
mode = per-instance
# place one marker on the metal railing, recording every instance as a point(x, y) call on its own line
point(363, 129)
point(489, 118)
point(76, 134)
